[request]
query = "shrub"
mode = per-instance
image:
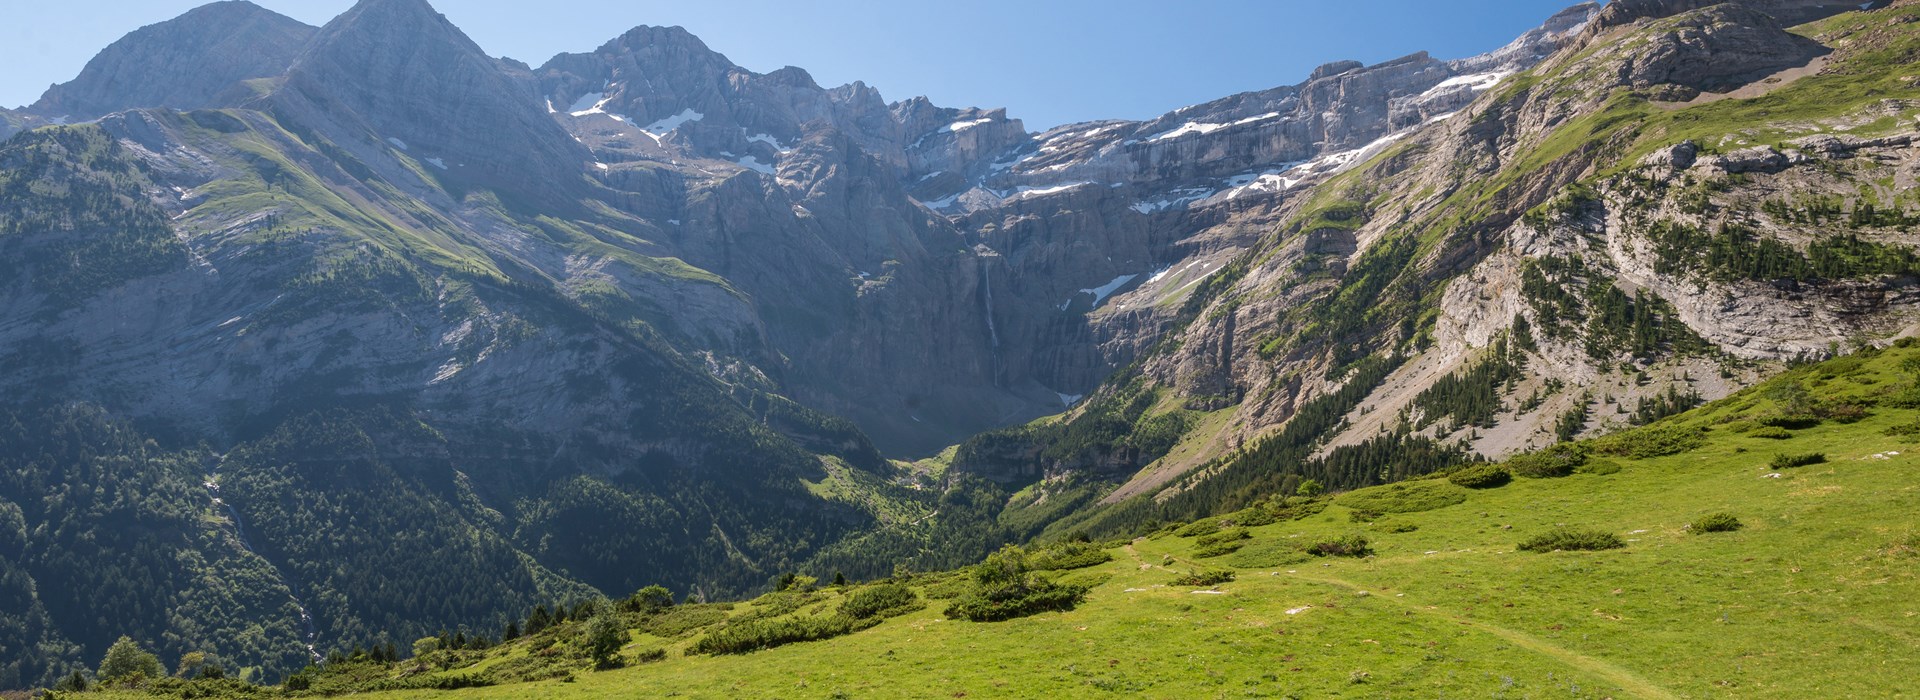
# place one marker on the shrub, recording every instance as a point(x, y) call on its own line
point(1004, 589)
point(1907, 430)
point(1232, 534)
point(1843, 412)
point(1068, 555)
point(1404, 497)
point(1481, 476)
point(1651, 441)
point(1717, 522)
point(1203, 526)
point(880, 601)
point(1223, 542)
point(753, 635)
point(1364, 516)
point(1402, 527)
point(1572, 541)
point(1344, 546)
point(1251, 517)
point(1552, 462)
point(678, 621)
point(1771, 432)
point(1787, 461)
point(1204, 579)
point(1006, 603)
point(1789, 422)
point(1264, 553)
point(651, 655)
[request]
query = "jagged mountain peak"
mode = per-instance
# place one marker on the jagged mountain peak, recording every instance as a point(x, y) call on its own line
point(194, 60)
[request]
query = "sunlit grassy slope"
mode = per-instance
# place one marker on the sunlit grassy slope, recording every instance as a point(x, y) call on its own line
point(1815, 596)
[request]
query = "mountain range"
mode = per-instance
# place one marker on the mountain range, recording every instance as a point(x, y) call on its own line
point(322, 337)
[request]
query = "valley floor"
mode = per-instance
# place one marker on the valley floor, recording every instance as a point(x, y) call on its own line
point(1816, 596)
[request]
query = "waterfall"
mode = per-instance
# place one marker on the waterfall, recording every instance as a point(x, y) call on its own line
point(240, 534)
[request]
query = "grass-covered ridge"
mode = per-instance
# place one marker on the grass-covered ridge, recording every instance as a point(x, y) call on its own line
point(1810, 595)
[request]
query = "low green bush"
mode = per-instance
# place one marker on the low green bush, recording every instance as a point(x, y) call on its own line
point(1717, 522)
point(880, 600)
point(1651, 441)
point(1905, 430)
point(1789, 422)
point(1204, 579)
point(680, 620)
point(1006, 603)
point(1397, 528)
point(1005, 588)
point(1068, 555)
point(1203, 526)
point(1227, 535)
point(1843, 412)
point(1787, 461)
point(1552, 462)
point(753, 635)
point(1481, 476)
point(1221, 543)
point(1354, 545)
point(1251, 517)
point(1771, 432)
point(1570, 540)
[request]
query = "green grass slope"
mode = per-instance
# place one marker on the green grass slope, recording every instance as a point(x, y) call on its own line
point(1814, 594)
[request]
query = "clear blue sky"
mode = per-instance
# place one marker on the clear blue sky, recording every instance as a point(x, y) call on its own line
point(1048, 61)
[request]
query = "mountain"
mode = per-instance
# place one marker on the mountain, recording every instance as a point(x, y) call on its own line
point(204, 58)
point(1619, 233)
point(396, 337)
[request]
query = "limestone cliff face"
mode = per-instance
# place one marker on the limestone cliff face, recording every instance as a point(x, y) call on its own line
point(199, 59)
point(1470, 234)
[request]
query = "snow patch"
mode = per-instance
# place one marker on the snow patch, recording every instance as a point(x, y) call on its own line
point(940, 203)
point(397, 143)
point(963, 125)
point(1026, 191)
point(1101, 292)
point(750, 163)
point(1208, 127)
point(1474, 81)
point(1068, 400)
point(769, 140)
point(1176, 198)
point(590, 103)
point(660, 128)
point(438, 163)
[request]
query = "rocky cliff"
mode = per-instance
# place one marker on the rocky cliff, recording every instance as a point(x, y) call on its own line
point(1623, 230)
